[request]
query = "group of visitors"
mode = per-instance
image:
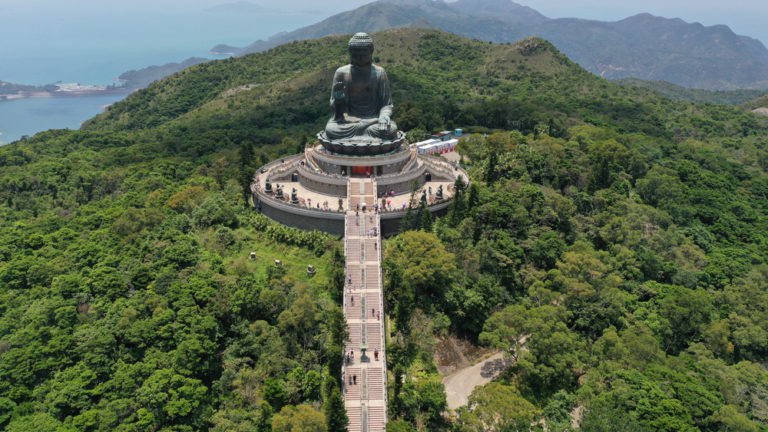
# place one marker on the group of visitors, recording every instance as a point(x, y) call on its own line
point(308, 203)
point(350, 358)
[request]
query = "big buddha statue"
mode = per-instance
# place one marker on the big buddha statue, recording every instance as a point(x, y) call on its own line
point(362, 106)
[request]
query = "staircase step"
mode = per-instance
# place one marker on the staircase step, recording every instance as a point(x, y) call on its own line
point(365, 399)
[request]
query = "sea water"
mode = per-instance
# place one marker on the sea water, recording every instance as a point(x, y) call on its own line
point(95, 44)
point(20, 117)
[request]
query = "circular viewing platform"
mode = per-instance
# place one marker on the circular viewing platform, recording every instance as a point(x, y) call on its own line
point(310, 190)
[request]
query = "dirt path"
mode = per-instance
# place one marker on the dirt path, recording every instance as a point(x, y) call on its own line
point(459, 385)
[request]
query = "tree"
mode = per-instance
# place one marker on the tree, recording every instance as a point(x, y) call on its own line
point(546, 249)
point(400, 299)
point(591, 289)
point(274, 393)
point(495, 407)
point(6, 409)
point(215, 209)
point(457, 211)
point(424, 399)
point(300, 324)
point(173, 398)
point(731, 419)
point(338, 335)
point(683, 314)
point(421, 256)
point(399, 425)
point(491, 175)
point(599, 418)
point(41, 422)
point(246, 158)
point(336, 287)
point(425, 222)
point(553, 354)
point(395, 403)
point(301, 418)
point(335, 413)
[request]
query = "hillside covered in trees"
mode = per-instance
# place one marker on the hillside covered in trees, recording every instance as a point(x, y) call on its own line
point(683, 94)
point(613, 242)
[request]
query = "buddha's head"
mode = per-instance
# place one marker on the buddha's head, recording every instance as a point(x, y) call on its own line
point(361, 50)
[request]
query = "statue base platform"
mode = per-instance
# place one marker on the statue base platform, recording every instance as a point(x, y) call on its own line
point(361, 146)
point(322, 180)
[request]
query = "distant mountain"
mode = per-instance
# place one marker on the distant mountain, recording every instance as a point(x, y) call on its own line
point(684, 94)
point(498, 9)
point(654, 48)
point(642, 46)
point(136, 79)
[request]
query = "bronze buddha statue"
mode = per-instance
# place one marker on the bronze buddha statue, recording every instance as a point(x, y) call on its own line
point(362, 106)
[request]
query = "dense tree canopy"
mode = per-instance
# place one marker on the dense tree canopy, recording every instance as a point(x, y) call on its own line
point(614, 243)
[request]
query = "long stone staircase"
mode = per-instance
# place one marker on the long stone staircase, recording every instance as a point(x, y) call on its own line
point(365, 383)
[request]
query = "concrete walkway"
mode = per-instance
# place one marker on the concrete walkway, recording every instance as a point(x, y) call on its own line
point(365, 373)
point(459, 385)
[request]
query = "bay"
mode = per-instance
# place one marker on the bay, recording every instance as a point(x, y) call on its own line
point(95, 45)
point(19, 117)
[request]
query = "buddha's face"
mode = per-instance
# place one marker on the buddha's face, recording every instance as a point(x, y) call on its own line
point(360, 57)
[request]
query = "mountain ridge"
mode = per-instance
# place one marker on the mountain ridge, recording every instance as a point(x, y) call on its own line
point(641, 46)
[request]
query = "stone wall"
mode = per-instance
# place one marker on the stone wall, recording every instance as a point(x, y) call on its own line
point(299, 217)
point(390, 221)
point(322, 183)
point(381, 164)
point(327, 221)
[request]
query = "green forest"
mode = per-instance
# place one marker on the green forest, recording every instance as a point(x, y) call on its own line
point(613, 243)
point(683, 94)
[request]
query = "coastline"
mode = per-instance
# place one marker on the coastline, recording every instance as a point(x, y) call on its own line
point(57, 94)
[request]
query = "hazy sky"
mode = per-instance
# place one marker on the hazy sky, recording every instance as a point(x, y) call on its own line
point(95, 40)
point(745, 17)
